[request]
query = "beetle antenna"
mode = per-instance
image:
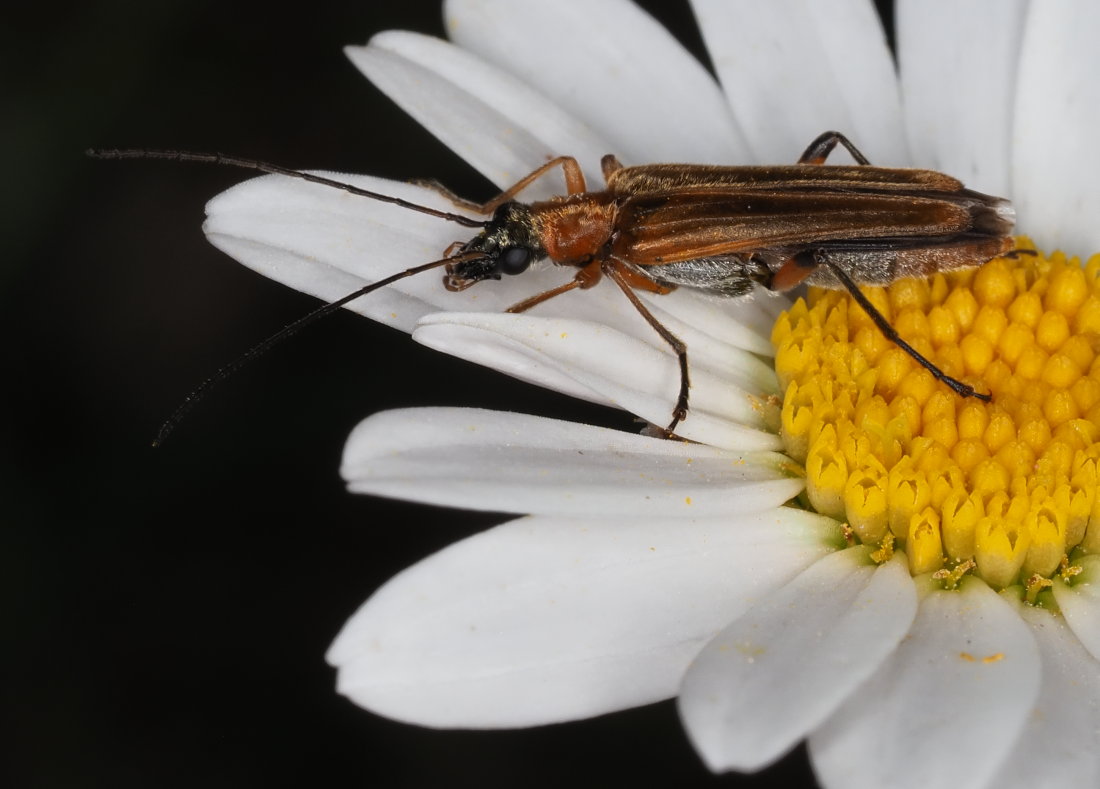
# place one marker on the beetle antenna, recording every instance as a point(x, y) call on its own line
point(288, 331)
point(253, 164)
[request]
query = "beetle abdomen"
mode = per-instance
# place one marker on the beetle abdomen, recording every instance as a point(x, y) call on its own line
point(728, 275)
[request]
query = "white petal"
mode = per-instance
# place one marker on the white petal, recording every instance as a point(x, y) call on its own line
point(792, 69)
point(488, 117)
point(579, 356)
point(1057, 160)
point(1058, 745)
point(717, 339)
point(708, 354)
point(547, 619)
point(1080, 603)
point(744, 322)
point(724, 336)
point(614, 67)
point(945, 709)
point(772, 676)
point(506, 462)
point(491, 348)
point(328, 243)
point(958, 76)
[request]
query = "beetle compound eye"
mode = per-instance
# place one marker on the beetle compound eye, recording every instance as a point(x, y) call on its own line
point(514, 260)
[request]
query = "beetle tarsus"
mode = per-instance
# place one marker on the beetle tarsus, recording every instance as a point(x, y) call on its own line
point(961, 389)
point(680, 412)
point(818, 151)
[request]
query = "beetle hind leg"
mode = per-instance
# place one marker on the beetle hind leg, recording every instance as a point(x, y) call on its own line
point(960, 388)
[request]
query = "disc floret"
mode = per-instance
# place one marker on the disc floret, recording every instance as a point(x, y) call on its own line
point(1005, 489)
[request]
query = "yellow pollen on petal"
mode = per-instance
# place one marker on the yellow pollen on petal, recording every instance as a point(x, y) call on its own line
point(1034, 585)
point(950, 578)
point(1067, 571)
point(885, 551)
point(1005, 489)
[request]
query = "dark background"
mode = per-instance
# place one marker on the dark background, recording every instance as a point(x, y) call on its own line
point(166, 612)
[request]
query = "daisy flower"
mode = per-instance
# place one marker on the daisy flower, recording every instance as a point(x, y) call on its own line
point(846, 552)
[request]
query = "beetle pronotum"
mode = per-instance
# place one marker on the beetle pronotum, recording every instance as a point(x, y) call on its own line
point(721, 230)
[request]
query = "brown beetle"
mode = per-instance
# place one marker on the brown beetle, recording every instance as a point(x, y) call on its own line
point(720, 230)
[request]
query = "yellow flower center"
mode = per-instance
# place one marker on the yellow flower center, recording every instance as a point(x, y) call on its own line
point(1004, 489)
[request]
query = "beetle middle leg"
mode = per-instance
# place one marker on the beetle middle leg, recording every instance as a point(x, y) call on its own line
point(819, 150)
point(628, 280)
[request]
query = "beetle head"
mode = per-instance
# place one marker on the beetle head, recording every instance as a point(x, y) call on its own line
point(509, 244)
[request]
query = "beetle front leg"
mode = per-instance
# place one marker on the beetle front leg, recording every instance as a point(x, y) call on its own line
point(440, 189)
point(574, 184)
point(583, 279)
point(819, 149)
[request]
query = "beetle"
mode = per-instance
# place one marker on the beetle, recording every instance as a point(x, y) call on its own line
point(717, 229)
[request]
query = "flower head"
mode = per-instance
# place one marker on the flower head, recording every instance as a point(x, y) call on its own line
point(848, 552)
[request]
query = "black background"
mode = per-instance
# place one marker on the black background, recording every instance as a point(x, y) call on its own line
point(166, 612)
